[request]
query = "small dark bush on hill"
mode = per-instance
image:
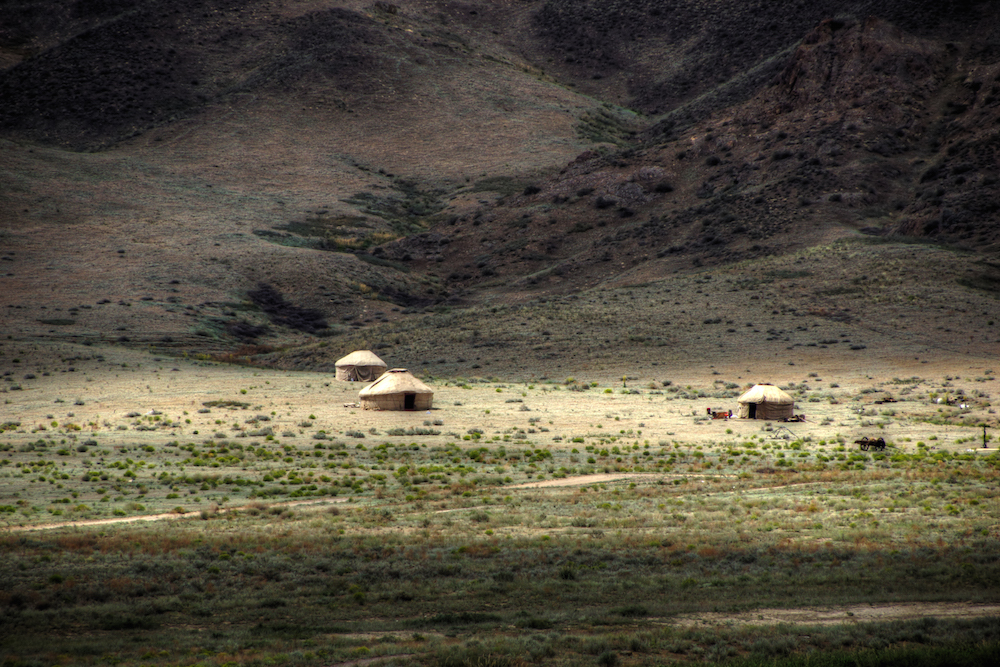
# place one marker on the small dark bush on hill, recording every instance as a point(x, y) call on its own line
point(245, 330)
point(288, 314)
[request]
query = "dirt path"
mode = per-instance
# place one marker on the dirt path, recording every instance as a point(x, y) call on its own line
point(168, 516)
point(584, 480)
point(846, 614)
point(581, 480)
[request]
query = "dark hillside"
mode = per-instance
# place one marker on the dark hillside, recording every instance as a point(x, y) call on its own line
point(859, 130)
point(656, 55)
point(163, 61)
point(31, 26)
point(97, 71)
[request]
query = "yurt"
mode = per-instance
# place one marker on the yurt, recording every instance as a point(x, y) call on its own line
point(765, 401)
point(397, 389)
point(360, 366)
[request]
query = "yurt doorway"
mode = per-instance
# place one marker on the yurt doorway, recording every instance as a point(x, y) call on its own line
point(753, 410)
point(409, 401)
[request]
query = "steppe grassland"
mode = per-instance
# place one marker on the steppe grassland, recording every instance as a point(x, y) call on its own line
point(426, 542)
point(91, 435)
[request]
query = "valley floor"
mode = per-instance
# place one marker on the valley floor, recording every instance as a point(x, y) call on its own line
point(589, 519)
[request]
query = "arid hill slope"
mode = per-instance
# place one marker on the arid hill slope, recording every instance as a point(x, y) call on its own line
point(865, 129)
point(208, 173)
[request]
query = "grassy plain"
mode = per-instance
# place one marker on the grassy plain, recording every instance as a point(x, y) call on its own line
point(584, 520)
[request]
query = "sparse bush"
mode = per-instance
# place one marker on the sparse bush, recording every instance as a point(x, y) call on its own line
point(608, 659)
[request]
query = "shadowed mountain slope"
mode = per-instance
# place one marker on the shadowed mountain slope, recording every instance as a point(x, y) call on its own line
point(107, 69)
point(859, 130)
point(158, 62)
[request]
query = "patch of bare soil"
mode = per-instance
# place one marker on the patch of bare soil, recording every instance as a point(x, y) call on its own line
point(598, 479)
point(851, 614)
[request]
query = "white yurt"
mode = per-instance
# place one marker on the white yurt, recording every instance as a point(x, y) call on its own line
point(360, 366)
point(397, 389)
point(765, 401)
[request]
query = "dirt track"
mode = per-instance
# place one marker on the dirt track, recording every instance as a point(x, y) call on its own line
point(173, 516)
point(848, 614)
point(166, 516)
point(594, 479)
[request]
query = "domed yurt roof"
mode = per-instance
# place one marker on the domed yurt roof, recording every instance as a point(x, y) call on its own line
point(766, 393)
